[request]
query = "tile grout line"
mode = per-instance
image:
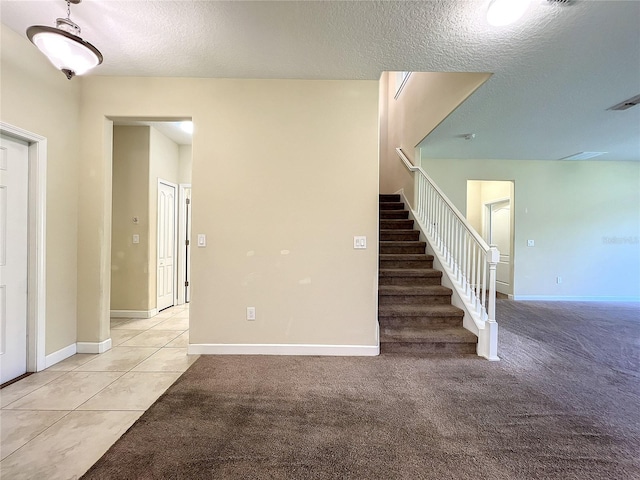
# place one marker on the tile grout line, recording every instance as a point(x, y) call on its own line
point(122, 374)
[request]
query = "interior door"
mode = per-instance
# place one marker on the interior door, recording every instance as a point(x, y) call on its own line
point(166, 277)
point(14, 176)
point(500, 236)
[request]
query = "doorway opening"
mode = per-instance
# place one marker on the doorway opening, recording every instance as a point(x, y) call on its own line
point(151, 163)
point(490, 211)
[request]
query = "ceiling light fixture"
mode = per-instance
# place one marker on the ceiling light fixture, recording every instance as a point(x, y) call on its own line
point(63, 46)
point(505, 12)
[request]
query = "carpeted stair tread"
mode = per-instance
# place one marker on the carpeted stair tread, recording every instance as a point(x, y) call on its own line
point(441, 335)
point(402, 243)
point(406, 256)
point(395, 224)
point(420, 290)
point(419, 311)
point(409, 272)
point(399, 235)
point(394, 214)
point(391, 206)
point(389, 197)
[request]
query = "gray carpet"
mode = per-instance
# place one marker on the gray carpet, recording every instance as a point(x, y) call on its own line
point(564, 403)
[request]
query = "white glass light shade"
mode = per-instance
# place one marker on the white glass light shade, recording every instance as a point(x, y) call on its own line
point(67, 52)
point(505, 12)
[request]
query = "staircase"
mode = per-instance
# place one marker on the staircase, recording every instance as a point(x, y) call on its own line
point(414, 309)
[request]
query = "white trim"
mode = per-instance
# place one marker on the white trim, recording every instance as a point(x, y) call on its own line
point(283, 349)
point(94, 347)
point(133, 313)
point(402, 84)
point(60, 355)
point(36, 297)
point(575, 298)
point(182, 235)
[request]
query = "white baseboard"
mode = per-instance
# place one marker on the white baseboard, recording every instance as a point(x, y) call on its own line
point(60, 355)
point(557, 298)
point(283, 349)
point(94, 347)
point(134, 313)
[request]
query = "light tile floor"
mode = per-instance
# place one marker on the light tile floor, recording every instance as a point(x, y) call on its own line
point(56, 423)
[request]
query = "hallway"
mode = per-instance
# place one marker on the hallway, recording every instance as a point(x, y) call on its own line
point(58, 422)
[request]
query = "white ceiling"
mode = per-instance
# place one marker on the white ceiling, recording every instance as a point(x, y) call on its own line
point(169, 128)
point(555, 72)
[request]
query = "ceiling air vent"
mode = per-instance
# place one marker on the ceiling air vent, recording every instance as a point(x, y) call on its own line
point(563, 2)
point(631, 102)
point(583, 155)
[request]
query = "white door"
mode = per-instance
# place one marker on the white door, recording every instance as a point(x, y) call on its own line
point(166, 277)
point(14, 176)
point(500, 236)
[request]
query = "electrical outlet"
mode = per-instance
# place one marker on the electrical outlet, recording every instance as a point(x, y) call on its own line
point(251, 313)
point(136, 238)
point(558, 280)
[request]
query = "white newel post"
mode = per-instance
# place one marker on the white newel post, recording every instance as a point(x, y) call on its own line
point(490, 334)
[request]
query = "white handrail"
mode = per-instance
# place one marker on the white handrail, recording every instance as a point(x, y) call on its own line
point(461, 217)
point(467, 259)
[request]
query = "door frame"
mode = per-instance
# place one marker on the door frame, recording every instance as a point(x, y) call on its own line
point(175, 239)
point(182, 236)
point(36, 255)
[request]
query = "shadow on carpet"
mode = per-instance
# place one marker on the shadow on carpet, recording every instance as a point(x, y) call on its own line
point(562, 404)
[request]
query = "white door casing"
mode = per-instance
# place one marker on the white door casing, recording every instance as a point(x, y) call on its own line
point(166, 272)
point(37, 207)
point(184, 239)
point(14, 178)
point(187, 269)
point(498, 233)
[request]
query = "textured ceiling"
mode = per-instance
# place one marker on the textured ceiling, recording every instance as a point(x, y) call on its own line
point(555, 72)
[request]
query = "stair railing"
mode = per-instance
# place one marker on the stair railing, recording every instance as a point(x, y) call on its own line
point(467, 259)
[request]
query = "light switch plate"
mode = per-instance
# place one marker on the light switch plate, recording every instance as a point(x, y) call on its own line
point(136, 238)
point(359, 242)
point(531, 243)
point(202, 240)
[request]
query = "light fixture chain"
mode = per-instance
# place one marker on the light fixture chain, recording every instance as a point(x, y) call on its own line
point(68, 9)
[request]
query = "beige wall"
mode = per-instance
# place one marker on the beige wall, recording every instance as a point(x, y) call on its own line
point(426, 100)
point(130, 262)
point(36, 97)
point(184, 174)
point(479, 193)
point(583, 217)
point(285, 173)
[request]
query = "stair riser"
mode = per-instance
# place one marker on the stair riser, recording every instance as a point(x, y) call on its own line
point(414, 299)
point(406, 264)
point(392, 206)
point(394, 214)
point(409, 281)
point(428, 348)
point(400, 224)
point(400, 236)
point(389, 197)
point(399, 324)
point(399, 249)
